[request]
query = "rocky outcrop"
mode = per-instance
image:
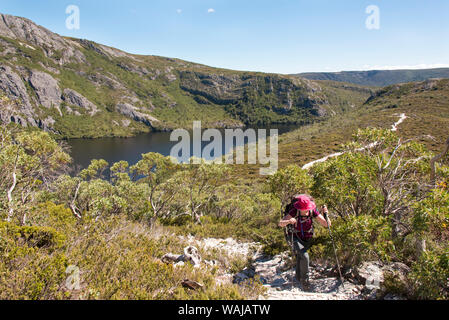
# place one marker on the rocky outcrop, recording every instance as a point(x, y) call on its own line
point(12, 84)
point(275, 273)
point(47, 89)
point(107, 80)
point(74, 98)
point(191, 255)
point(19, 109)
point(283, 95)
point(220, 89)
point(132, 112)
point(378, 279)
point(25, 30)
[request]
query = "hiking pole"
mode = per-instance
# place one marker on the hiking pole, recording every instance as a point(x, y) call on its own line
point(333, 244)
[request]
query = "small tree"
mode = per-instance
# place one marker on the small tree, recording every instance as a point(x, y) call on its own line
point(156, 171)
point(287, 182)
point(200, 182)
point(29, 162)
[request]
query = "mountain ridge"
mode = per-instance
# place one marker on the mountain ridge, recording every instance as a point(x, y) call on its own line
point(78, 88)
point(378, 78)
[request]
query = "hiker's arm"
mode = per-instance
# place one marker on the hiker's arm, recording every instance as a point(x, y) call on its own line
point(321, 220)
point(288, 219)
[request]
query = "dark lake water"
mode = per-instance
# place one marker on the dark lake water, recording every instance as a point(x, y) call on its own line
point(83, 151)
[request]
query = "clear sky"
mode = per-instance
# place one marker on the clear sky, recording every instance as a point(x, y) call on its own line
point(283, 36)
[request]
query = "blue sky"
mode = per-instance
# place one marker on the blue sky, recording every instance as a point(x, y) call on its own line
point(283, 36)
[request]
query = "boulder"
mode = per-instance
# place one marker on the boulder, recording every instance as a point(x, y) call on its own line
point(395, 279)
point(170, 257)
point(370, 274)
point(383, 280)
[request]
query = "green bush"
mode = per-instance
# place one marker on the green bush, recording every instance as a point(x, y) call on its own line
point(430, 275)
point(39, 237)
point(32, 265)
point(361, 238)
point(347, 184)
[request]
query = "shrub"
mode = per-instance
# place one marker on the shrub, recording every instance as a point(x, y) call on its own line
point(287, 182)
point(38, 237)
point(361, 238)
point(430, 275)
point(347, 185)
point(32, 265)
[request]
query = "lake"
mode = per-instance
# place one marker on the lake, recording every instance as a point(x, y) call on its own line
point(83, 151)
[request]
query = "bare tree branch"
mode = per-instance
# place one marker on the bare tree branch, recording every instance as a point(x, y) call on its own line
point(72, 204)
point(11, 189)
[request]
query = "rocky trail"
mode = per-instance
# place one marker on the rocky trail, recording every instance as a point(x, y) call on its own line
point(278, 275)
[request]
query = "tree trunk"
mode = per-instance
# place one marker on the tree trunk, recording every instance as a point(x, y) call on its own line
point(10, 199)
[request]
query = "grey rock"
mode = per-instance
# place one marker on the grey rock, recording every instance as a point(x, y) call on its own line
point(19, 109)
point(370, 274)
point(74, 98)
point(106, 80)
point(25, 30)
point(190, 255)
point(179, 264)
point(46, 88)
point(239, 277)
point(170, 257)
point(131, 112)
point(46, 124)
point(12, 84)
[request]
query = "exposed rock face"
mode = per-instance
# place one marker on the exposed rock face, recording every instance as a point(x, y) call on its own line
point(11, 83)
point(46, 124)
point(220, 89)
point(131, 112)
point(26, 30)
point(106, 80)
point(288, 94)
point(72, 97)
point(20, 109)
point(46, 88)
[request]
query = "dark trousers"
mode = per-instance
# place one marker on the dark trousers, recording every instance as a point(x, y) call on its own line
point(302, 257)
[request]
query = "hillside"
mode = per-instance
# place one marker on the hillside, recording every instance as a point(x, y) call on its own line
point(78, 88)
point(425, 104)
point(378, 78)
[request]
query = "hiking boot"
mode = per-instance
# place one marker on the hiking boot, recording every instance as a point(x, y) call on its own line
point(305, 284)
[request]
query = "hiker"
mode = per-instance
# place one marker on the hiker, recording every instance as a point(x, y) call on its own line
point(298, 218)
